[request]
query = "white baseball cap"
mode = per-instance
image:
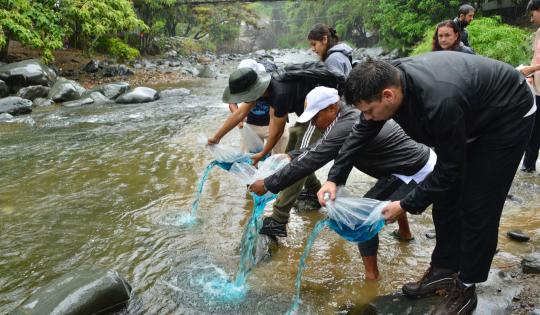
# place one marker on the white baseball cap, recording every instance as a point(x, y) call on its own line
point(252, 64)
point(318, 99)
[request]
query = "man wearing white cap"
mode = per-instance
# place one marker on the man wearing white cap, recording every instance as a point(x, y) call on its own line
point(390, 152)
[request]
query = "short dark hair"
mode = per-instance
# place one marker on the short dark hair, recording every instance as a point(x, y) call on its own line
point(533, 5)
point(368, 79)
point(465, 9)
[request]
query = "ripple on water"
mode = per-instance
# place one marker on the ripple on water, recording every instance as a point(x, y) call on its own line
point(176, 219)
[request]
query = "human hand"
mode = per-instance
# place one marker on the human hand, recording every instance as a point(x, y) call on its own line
point(258, 187)
point(213, 140)
point(392, 212)
point(328, 187)
point(256, 158)
point(240, 125)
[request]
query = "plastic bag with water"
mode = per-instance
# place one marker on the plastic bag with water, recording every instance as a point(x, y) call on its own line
point(353, 218)
point(248, 173)
point(253, 143)
point(225, 155)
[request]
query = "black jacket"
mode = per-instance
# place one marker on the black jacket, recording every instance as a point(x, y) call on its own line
point(450, 99)
point(463, 34)
point(390, 152)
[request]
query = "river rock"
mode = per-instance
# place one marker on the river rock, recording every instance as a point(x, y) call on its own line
point(41, 102)
point(6, 117)
point(79, 102)
point(535, 312)
point(4, 89)
point(25, 73)
point(531, 263)
point(34, 91)
point(431, 234)
point(206, 71)
point(174, 93)
point(65, 90)
point(123, 70)
point(91, 67)
point(518, 235)
point(138, 95)
point(112, 90)
point(99, 98)
point(15, 105)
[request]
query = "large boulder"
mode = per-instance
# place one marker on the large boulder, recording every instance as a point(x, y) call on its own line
point(34, 91)
point(206, 71)
point(531, 263)
point(4, 89)
point(84, 292)
point(138, 95)
point(41, 102)
point(15, 105)
point(66, 90)
point(99, 99)
point(26, 73)
point(112, 90)
point(91, 67)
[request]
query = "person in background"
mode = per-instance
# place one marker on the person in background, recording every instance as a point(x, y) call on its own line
point(464, 18)
point(448, 37)
point(324, 41)
point(390, 152)
point(533, 73)
point(258, 117)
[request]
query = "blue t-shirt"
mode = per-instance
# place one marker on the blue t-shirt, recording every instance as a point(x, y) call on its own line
point(259, 115)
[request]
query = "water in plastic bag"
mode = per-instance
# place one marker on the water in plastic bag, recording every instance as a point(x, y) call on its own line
point(353, 218)
point(253, 142)
point(248, 173)
point(225, 155)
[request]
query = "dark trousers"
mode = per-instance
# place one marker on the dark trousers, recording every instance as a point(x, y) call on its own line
point(531, 151)
point(467, 225)
point(387, 188)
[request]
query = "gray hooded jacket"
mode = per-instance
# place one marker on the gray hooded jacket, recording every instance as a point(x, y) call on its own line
point(339, 58)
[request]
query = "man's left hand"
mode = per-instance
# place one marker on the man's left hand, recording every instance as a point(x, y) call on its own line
point(258, 187)
point(392, 212)
point(256, 158)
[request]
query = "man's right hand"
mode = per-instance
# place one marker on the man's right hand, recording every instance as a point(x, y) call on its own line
point(328, 187)
point(213, 140)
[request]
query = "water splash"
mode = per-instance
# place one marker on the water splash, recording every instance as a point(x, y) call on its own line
point(302, 264)
point(190, 219)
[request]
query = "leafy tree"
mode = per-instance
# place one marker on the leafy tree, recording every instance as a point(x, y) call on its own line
point(402, 23)
point(33, 23)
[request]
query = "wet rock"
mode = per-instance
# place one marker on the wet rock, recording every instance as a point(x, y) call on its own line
point(80, 102)
point(25, 73)
point(518, 235)
point(531, 263)
point(431, 234)
point(4, 89)
point(175, 64)
point(91, 67)
point(138, 95)
point(206, 71)
point(5, 117)
point(99, 98)
point(110, 71)
point(15, 105)
point(41, 102)
point(112, 90)
point(174, 93)
point(123, 70)
point(34, 91)
point(171, 54)
point(65, 90)
point(535, 312)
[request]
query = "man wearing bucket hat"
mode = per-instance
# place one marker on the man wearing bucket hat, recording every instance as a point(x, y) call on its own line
point(391, 152)
point(283, 97)
point(258, 117)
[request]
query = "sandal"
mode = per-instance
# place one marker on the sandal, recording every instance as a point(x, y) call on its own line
point(395, 234)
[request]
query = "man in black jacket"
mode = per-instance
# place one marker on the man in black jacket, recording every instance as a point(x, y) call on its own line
point(464, 18)
point(477, 114)
point(390, 152)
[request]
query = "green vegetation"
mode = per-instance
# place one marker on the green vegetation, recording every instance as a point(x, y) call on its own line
point(120, 50)
point(492, 38)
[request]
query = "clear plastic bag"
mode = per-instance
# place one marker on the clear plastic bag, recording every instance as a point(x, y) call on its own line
point(223, 153)
point(248, 173)
point(253, 142)
point(353, 218)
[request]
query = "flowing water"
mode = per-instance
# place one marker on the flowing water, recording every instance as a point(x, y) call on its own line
point(85, 188)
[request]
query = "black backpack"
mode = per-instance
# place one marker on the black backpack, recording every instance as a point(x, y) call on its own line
point(314, 71)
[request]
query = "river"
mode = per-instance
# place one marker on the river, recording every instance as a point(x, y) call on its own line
point(85, 188)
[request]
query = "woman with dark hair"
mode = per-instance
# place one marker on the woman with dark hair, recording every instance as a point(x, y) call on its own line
point(447, 37)
point(324, 41)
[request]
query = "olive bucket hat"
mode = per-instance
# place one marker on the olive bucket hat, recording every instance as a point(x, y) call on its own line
point(245, 85)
